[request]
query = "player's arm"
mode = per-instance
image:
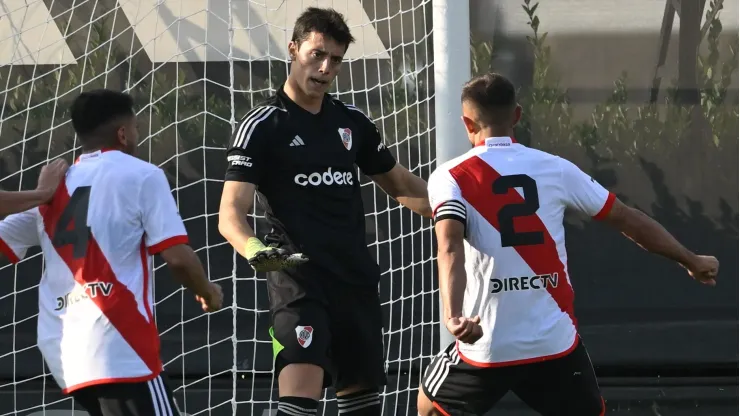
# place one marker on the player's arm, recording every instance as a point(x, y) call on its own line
point(236, 202)
point(187, 269)
point(406, 188)
point(49, 179)
point(653, 237)
point(246, 169)
point(588, 196)
point(165, 235)
point(248, 161)
point(14, 202)
point(450, 234)
point(450, 221)
point(18, 233)
point(376, 161)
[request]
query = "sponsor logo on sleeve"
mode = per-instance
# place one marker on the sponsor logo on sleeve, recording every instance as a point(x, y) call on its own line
point(238, 160)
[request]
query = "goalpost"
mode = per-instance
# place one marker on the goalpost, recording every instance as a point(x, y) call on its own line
point(194, 69)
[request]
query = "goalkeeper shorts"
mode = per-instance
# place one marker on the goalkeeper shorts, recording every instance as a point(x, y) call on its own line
point(561, 386)
point(329, 323)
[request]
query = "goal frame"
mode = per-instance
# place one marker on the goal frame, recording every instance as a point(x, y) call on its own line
point(451, 42)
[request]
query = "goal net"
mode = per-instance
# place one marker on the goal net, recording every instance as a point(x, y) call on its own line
point(194, 68)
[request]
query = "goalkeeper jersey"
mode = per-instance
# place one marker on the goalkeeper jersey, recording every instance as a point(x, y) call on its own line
point(111, 213)
point(305, 168)
point(512, 200)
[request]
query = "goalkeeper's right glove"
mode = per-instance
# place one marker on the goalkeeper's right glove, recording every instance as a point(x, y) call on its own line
point(270, 258)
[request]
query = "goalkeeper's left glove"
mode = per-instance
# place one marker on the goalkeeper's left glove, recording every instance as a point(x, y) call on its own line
point(270, 258)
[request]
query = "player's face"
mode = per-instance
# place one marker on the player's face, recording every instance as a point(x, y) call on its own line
point(128, 135)
point(316, 62)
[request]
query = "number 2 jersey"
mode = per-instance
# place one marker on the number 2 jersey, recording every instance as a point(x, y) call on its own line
point(97, 235)
point(512, 200)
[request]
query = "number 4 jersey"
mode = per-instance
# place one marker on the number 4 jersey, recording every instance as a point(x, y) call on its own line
point(108, 217)
point(512, 201)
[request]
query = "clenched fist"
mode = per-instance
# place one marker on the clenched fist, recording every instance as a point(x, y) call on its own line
point(704, 269)
point(213, 300)
point(467, 330)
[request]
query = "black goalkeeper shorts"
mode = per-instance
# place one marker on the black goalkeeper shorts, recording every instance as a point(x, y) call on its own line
point(147, 398)
point(330, 323)
point(564, 386)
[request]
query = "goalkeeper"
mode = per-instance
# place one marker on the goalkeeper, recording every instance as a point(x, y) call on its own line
point(298, 151)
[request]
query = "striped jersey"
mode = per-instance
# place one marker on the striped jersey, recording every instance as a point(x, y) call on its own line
point(108, 217)
point(305, 168)
point(512, 200)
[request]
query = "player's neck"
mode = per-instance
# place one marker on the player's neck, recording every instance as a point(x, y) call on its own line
point(312, 105)
point(101, 149)
point(87, 152)
point(494, 132)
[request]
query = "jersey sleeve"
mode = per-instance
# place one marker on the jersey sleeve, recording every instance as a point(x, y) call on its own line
point(445, 197)
point(18, 233)
point(373, 157)
point(247, 153)
point(583, 193)
point(163, 226)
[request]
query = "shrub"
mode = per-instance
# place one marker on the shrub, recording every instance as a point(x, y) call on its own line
point(688, 150)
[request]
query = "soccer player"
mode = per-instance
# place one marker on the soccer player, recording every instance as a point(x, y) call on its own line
point(503, 276)
point(299, 149)
point(98, 234)
point(49, 179)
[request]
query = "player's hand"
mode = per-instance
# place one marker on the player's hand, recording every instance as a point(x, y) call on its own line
point(704, 269)
point(51, 176)
point(271, 258)
point(467, 330)
point(214, 300)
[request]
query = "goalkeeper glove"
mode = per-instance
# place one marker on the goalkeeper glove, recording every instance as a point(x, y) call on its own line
point(270, 258)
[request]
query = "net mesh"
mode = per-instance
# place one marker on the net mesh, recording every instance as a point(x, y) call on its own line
point(194, 69)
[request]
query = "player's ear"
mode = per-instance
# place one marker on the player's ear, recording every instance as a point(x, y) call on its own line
point(121, 135)
point(517, 114)
point(470, 125)
point(292, 50)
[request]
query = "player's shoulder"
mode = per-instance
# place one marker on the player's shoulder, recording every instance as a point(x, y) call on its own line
point(268, 108)
point(351, 110)
point(262, 120)
point(541, 160)
point(131, 169)
point(457, 162)
point(542, 155)
point(443, 172)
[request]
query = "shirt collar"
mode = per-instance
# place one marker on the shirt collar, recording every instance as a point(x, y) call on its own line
point(92, 155)
point(497, 142)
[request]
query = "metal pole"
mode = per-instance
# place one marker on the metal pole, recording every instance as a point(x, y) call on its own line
point(451, 37)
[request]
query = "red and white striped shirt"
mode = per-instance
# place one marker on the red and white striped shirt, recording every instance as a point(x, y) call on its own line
point(512, 199)
point(108, 217)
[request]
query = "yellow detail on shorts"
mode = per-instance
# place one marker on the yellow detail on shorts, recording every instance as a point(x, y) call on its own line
point(276, 345)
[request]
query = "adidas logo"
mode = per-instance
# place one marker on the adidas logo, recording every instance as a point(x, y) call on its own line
point(297, 141)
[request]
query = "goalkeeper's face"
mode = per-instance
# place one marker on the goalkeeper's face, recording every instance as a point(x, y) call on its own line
point(316, 62)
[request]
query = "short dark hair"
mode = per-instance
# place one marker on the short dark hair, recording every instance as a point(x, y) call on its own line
point(494, 96)
point(96, 109)
point(328, 22)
